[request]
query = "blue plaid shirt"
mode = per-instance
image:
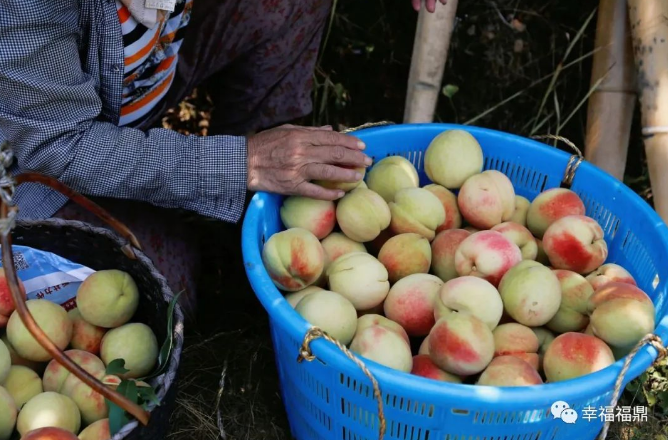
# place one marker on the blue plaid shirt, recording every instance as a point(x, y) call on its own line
point(61, 72)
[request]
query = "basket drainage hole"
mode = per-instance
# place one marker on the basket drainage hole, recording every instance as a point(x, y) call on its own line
point(656, 281)
point(461, 412)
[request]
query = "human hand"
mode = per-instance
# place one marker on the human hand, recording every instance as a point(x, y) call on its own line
point(285, 159)
point(431, 4)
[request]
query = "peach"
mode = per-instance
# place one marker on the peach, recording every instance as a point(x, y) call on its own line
point(332, 312)
point(541, 256)
point(8, 413)
point(361, 278)
point(509, 371)
point(343, 186)
point(294, 259)
point(572, 315)
point(488, 255)
point(551, 205)
point(294, 298)
point(452, 157)
point(416, 210)
point(85, 336)
point(91, 404)
point(5, 362)
point(514, 339)
point(423, 366)
point(6, 300)
point(49, 409)
point(621, 314)
point(405, 254)
point(608, 273)
point(55, 374)
point(453, 219)
point(461, 344)
point(573, 355)
point(443, 250)
point(49, 433)
point(576, 243)
point(545, 338)
point(390, 175)
point(53, 320)
point(22, 384)
point(410, 303)
point(375, 245)
point(375, 319)
point(108, 298)
point(521, 209)
point(383, 346)
point(362, 215)
point(589, 330)
point(424, 346)
point(487, 199)
point(96, 431)
point(18, 360)
point(136, 344)
point(531, 293)
point(316, 216)
point(521, 236)
point(361, 184)
point(337, 244)
point(475, 296)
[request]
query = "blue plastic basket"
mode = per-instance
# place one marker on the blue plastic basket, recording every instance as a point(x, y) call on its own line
point(330, 398)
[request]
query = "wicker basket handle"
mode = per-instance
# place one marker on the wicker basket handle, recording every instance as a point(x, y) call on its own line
point(7, 214)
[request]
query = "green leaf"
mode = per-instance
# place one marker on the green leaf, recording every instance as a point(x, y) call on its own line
point(117, 416)
point(117, 367)
point(450, 90)
point(147, 396)
point(168, 345)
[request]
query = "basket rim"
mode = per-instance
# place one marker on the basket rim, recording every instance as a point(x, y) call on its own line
point(282, 314)
point(166, 380)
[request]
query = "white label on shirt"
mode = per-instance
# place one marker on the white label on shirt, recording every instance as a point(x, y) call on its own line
point(167, 5)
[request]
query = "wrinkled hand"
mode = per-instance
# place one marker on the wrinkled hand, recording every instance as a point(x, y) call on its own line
point(430, 4)
point(285, 159)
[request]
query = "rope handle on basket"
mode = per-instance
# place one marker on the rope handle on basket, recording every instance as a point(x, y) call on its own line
point(573, 163)
point(367, 125)
point(651, 339)
point(8, 211)
point(305, 353)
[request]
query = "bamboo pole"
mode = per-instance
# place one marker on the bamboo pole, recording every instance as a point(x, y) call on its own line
point(610, 110)
point(649, 27)
point(430, 51)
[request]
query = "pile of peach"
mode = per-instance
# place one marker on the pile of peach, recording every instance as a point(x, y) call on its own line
point(521, 295)
point(38, 396)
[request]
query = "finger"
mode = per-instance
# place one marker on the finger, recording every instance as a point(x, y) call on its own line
point(338, 156)
point(331, 138)
point(416, 4)
point(444, 2)
point(321, 171)
point(324, 127)
point(431, 5)
point(311, 190)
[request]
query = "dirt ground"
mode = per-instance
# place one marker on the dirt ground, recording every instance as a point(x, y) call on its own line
point(501, 61)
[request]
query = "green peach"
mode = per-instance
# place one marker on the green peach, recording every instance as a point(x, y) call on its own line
point(362, 215)
point(96, 431)
point(531, 293)
point(361, 278)
point(572, 315)
point(49, 409)
point(8, 413)
point(416, 210)
point(136, 344)
point(332, 312)
point(521, 210)
point(23, 384)
point(391, 174)
point(452, 157)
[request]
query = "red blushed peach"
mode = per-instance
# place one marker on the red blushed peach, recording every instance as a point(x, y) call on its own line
point(486, 199)
point(443, 250)
point(509, 371)
point(416, 210)
point(390, 175)
point(294, 259)
point(461, 344)
point(6, 300)
point(49, 433)
point(622, 314)
point(521, 209)
point(551, 205)
point(610, 273)
point(410, 303)
point(371, 319)
point(573, 355)
point(453, 219)
point(517, 340)
point(316, 216)
point(337, 244)
point(96, 431)
point(472, 295)
point(488, 255)
point(572, 315)
point(576, 243)
point(383, 346)
point(521, 236)
point(405, 254)
point(531, 293)
point(423, 366)
point(85, 336)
